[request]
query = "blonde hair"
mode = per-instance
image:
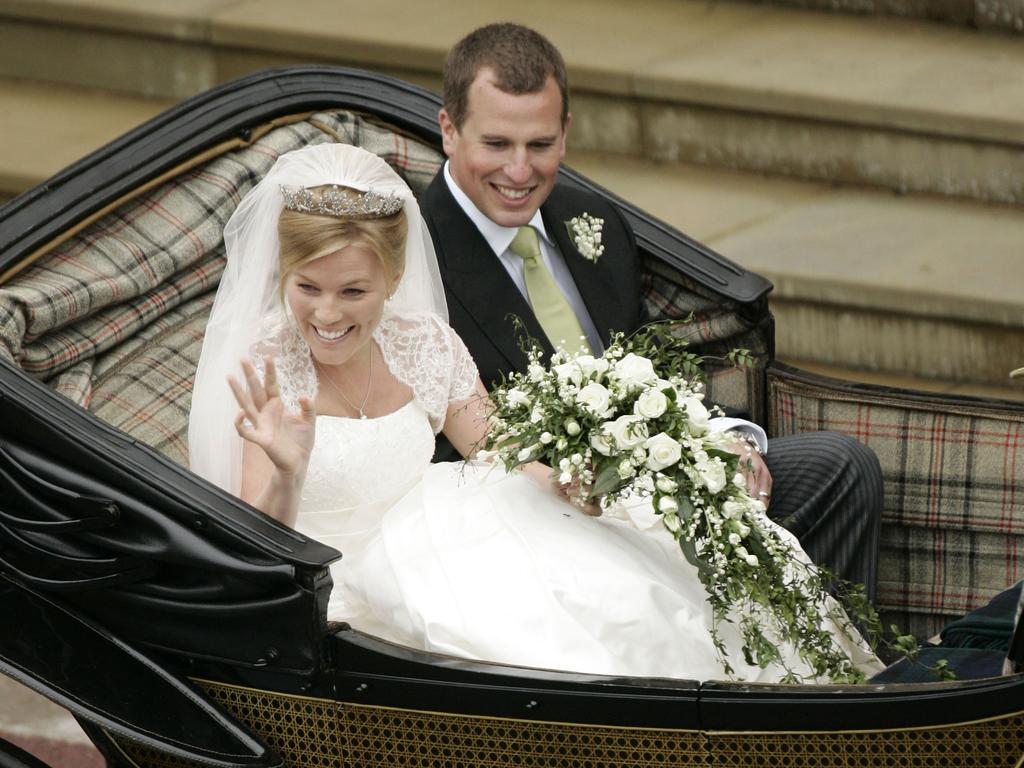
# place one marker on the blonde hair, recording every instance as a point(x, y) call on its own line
point(305, 237)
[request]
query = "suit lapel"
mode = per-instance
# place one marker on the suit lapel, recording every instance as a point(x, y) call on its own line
point(475, 277)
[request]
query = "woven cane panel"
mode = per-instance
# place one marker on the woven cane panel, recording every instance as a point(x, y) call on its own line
point(315, 733)
point(990, 744)
point(146, 757)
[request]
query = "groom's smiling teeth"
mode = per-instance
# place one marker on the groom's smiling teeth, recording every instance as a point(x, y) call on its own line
point(331, 335)
point(515, 194)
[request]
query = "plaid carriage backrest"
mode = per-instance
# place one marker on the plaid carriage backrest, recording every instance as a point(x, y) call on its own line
point(953, 520)
point(114, 317)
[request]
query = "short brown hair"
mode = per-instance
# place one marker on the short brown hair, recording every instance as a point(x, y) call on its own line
point(305, 237)
point(521, 58)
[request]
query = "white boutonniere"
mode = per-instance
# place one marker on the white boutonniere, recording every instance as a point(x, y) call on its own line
point(585, 233)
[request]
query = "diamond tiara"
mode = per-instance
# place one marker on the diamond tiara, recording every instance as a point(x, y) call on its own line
point(343, 203)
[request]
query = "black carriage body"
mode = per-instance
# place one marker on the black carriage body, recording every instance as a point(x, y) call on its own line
point(115, 557)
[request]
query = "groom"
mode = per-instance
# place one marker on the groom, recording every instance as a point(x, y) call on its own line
point(500, 227)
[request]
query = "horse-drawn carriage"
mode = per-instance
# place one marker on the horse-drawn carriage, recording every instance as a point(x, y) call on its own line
point(184, 628)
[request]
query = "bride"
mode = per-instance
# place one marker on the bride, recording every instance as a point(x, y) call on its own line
point(332, 300)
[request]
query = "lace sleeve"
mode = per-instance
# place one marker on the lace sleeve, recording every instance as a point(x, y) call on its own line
point(425, 353)
point(296, 375)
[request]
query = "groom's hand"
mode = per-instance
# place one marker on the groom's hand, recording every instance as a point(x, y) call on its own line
point(754, 469)
point(576, 495)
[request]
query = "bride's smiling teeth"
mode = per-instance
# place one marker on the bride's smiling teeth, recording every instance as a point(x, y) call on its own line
point(515, 194)
point(331, 335)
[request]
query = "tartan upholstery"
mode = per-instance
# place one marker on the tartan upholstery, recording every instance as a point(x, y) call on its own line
point(716, 328)
point(952, 524)
point(114, 317)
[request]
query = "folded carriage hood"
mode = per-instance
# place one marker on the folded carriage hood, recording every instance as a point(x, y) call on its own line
point(115, 687)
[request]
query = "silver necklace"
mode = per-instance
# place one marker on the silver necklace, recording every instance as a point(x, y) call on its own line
point(366, 396)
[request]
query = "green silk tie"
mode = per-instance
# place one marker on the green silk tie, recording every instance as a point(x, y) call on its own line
point(549, 303)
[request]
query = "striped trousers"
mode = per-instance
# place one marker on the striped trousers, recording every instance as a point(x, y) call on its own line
point(827, 490)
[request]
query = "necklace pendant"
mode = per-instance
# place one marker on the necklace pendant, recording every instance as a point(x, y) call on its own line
point(361, 414)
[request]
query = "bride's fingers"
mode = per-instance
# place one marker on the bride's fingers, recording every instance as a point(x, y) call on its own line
point(307, 409)
point(244, 400)
point(252, 381)
point(270, 377)
point(243, 426)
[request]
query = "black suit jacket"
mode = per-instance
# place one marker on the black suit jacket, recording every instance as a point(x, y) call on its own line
point(482, 297)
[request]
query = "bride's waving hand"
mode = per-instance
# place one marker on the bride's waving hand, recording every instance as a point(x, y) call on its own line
point(279, 443)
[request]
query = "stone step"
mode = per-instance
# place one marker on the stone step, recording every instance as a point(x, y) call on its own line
point(903, 104)
point(864, 279)
point(1002, 15)
point(46, 127)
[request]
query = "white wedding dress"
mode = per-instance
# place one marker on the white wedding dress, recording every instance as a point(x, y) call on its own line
point(467, 560)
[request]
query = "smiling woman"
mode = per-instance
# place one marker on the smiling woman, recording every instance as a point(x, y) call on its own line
point(336, 274)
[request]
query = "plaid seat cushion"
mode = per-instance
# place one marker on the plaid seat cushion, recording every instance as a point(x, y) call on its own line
point(953, 522)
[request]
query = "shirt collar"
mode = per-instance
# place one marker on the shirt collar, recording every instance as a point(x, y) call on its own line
point(497, 236)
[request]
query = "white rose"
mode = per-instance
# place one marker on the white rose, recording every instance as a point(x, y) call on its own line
point(527, 453)
point(572, 427)
point(651, 404)
point(696, 414)
point(566, 477)
point(733, 510)
point(712, 475)
point(627, 431)
point(662, 451)
point(569, 372)
point(546, 437)
point(595, 398)
point(734, 539)
point(535, 372)
point(666, 484)
point(668, 505)
point(672, 523)
point(587, 364)
point(516, 397)
point(625, 469)
point(633, 371)
point(561, 444)
point(600, 443)
point(751, 560)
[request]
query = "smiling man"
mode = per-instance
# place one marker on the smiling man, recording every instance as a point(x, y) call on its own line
point(503, 231)
point(499, 221)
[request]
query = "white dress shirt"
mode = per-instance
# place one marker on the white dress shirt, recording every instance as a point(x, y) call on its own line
point(499, 238)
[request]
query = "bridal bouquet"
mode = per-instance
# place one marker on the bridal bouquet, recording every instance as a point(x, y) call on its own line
point(633, 422)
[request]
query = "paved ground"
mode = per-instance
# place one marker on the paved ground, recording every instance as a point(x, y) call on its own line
point(43, 729)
